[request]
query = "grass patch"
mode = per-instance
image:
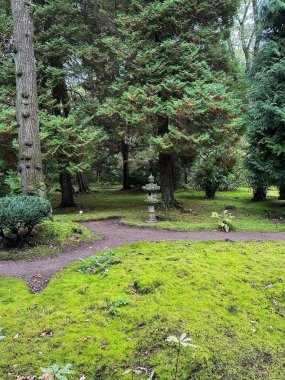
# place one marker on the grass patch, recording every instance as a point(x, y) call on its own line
point(248, 216)
point(49, 239)
point(228, 297)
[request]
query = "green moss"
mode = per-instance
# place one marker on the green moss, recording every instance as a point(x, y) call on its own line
point(228, 297)
point(249, 216)
point(61, 231)
point(49, 239)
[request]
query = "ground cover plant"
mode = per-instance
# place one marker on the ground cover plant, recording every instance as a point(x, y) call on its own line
point(227, 297)
point(52, 235)
point(50, 238)
point(265, 216)
point(99, 263)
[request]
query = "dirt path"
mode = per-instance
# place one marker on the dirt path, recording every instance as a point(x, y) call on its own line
point(38, 272)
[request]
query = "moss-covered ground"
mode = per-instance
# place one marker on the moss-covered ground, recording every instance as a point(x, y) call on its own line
point(49, 238)
point(228, 297)
point(249, 216)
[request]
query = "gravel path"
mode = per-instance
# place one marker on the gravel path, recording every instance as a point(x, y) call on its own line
point(38, 272)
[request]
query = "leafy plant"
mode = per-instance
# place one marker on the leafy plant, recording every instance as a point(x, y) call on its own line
point(224, 219)
point(56, 372)
point(13, 181)
point(113, 306)
point(100, 263)
point(19, 215)
point(180, 342)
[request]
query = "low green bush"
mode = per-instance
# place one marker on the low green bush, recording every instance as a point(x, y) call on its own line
point(18, 217)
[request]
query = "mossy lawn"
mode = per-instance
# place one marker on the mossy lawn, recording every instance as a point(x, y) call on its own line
point(228, 297)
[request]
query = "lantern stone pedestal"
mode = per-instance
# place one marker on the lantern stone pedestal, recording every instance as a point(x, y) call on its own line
point(151, 189)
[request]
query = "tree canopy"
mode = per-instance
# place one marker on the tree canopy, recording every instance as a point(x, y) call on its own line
point(266, 134)
point(125, 87)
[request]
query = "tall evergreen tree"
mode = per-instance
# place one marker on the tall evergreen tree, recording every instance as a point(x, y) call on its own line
point(27, 102)
point(173, 81)
point(8, 127)
point(62, 39)
point(266, 132)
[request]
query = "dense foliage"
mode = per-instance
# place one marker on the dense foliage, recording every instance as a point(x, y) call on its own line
point(131, 87)
point(266, 132)
point(150, 81)
point(19, 215)
point(175, 80)
point(212, 169)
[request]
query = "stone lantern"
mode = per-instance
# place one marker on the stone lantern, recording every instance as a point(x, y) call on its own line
point(151, 189)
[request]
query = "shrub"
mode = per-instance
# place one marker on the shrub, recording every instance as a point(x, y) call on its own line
point(212, 170)
point(19, 215)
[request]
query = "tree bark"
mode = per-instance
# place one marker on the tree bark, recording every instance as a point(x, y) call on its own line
point(126, 165)
point(282, 192)
point(67, 199)
point(257, 26)
point(83, 183)
point(166, 180)
point(250, 37)
point(210, 192)
point(166, 172)
point(30, 165)
point(259, 194)
point(185, 176)
point(67, 193)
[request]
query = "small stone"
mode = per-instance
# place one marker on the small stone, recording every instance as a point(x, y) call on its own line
point(230, 207)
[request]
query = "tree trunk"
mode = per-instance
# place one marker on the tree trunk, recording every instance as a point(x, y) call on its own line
point(126, 165)
point(257, 26)
point(62, 108)
point(82, 183)
point(60, 92)
point(176, 172)
point(186, 176)
point(166, 180)
point(67, 199)
point(166, 172)
point(30, 165)
point(210, 192)
point(259, 194)
point(282, 192)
